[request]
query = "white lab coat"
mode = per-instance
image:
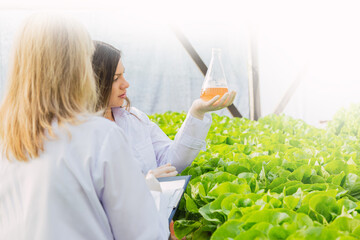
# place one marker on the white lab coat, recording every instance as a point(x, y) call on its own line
point(83, 187)
point(152, 148)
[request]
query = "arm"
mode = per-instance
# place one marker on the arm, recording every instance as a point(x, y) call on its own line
point(191, 137)
point(188, 142)
point(124, 195)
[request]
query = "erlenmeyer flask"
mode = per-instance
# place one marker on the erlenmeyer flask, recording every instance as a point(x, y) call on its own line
point(215, 81)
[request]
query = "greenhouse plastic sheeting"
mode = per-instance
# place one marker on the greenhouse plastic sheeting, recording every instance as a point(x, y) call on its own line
point(162, 75)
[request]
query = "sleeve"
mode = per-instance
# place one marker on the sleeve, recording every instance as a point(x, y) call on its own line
point(127, 201)
point(188, 142)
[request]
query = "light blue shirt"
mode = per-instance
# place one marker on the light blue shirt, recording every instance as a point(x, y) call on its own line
point(150, 145)
point(86, 186)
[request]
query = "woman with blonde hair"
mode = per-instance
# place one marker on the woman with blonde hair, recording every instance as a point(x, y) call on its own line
point(65, 173)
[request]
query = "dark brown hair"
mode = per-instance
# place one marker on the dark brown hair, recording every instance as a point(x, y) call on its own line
point(104, 62)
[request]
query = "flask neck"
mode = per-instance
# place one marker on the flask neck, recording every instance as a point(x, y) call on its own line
point(215, 76)
point(215, 57)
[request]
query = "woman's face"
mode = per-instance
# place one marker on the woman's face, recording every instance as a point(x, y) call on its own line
point(119, 86)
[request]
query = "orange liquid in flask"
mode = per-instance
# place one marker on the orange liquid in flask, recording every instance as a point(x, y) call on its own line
point(209, 93)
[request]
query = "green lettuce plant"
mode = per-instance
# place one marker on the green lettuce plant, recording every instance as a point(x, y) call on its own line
point(276, 178)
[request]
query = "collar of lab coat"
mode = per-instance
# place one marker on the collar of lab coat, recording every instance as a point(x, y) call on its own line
point(118, 112)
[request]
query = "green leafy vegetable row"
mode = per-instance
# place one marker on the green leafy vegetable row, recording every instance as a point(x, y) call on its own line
point(276, 178)
point(346, 122)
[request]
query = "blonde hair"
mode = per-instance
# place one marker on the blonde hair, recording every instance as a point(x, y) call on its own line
point(50, 78)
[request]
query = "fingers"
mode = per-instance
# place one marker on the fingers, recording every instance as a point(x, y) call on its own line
point(169, 174)
point(216, 103)
point(220, 104)
point(165, 170)
point(225, 101)
point(213, 100)
point(230, 99)
point(163, 166)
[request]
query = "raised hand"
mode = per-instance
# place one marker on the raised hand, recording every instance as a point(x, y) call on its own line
point(200, 107)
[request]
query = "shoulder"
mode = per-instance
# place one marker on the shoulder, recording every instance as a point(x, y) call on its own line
point(100, 122)
point(141, 115)
point(88, 136)
point(135, 110)
point(94, 127)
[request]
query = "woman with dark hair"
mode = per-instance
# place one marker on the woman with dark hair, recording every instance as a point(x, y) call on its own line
point(155, 152)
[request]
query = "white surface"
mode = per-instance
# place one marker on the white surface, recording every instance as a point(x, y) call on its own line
point(88, 187)
point(168, 197)
point(161, 74)
point(322, 35)
point(152, 148)
point(172, 190)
